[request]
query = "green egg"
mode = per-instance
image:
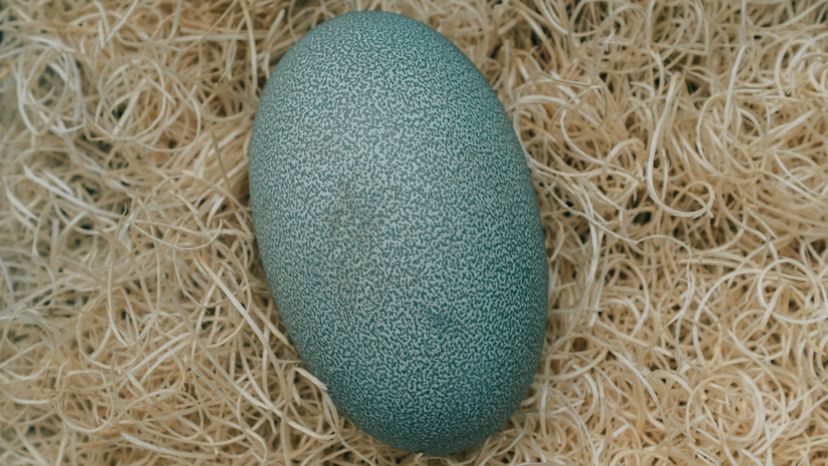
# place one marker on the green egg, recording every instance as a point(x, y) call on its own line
point(399, 231)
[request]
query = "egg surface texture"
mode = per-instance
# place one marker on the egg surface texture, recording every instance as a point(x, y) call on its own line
point(399, 231)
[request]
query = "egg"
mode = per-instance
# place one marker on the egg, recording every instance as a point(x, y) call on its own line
point(399, 231)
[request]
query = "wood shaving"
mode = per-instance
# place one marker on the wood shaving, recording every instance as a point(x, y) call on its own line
point(680, 159)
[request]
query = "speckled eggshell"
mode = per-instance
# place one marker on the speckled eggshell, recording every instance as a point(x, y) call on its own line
point(399, 231)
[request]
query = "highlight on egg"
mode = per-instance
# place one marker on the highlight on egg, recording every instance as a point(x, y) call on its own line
point(398, 228)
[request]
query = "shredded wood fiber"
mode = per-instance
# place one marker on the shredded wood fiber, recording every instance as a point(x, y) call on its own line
point(680, 157)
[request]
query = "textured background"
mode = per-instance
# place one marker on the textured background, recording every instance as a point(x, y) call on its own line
point(680, 159)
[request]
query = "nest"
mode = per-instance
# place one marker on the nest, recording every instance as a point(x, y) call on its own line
point(680, 160)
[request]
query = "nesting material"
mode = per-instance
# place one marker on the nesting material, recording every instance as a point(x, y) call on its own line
point(680, 160)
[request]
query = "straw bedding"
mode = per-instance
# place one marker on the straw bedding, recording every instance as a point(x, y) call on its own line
point(679, 156)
